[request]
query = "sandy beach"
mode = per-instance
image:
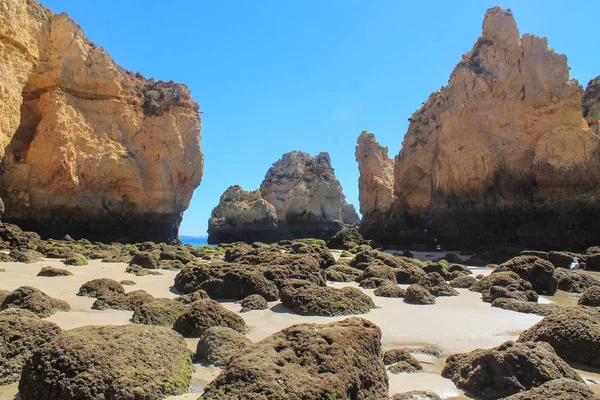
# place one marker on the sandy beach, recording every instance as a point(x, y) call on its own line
point(455, 324)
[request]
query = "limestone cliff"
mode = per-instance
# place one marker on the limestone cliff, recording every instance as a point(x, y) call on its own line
point(501, 154)
point(590, 104)
point(299, 197)
point(88, 148)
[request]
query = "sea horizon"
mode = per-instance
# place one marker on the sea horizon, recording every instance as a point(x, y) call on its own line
point(194, 240)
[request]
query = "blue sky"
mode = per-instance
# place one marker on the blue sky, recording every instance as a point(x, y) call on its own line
point(273, 76)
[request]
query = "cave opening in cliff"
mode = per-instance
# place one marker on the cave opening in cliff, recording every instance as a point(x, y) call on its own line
point(21, 141)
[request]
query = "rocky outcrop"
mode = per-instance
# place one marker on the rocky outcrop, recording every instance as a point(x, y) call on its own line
point(89, 149)
point(499, 155)
point(376, 182)
point(590, 104)
point(299, 197)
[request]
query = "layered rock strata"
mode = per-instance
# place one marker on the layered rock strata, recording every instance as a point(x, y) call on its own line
point(299, 197)
point(499, 155)
point(89, 149)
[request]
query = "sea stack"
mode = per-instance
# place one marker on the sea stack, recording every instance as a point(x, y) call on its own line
point(89, 149)
point(299, 197)
point(501, 155)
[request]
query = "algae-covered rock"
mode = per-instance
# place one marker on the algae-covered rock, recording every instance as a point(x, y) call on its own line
point(254, 302)
point(218, 344)
point(374, 283)
point(416, 395)
point(51, 271)
point(574, 281)
point(394, 356)
point(20, 335)
point(161, 312)
point(526, 307)
point(203, 314)
point(307, 361)
point(345, 239)
point(504, 279)
point(127, 282)
point(573, 332)
point(99, 287)
point(306, 298)
point(342, 273)
point(122, 301)
point(563, 389)
point(146, 259)
point(403, 367)
point(192, 297)
point(507, 369)
point(417, 294)
point(34, 300)
point(76, 259)
point(538, 272)
point(436, 285)
point(464, 282)
point(591, 297)
point(378, 271)
point(128, 362)
point(389, 291)
point(510, 292)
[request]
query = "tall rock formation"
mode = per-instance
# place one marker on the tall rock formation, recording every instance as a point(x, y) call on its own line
point(88, 148)
point(590, 104)
point(299, 197)
point(501, 154)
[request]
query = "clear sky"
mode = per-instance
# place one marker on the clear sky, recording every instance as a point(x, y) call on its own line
point(273, 76)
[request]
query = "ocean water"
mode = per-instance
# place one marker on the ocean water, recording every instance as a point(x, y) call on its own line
point(194, 240)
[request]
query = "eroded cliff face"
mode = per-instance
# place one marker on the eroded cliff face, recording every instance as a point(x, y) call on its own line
point(88, 148)
point(501, 154)
point(299, 197)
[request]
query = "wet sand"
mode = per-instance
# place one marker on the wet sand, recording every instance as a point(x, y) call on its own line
point(455, 324)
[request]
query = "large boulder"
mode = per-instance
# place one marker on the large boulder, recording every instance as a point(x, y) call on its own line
point(203, 314)
point(20, 335)
point(436, 285)
point(342, 273)
point(507, 369)
point(307, 298)
point(574, 281)
point(417, 294)
point(573, 332)
point(345, 239)
point(510, 292)
point(146, 259)
point(590, 297)
point(538, 272)
point(161, 312)
point(128, 362)
point(340, 360)
point(563, 389)
point(99, 287)
point(226, 281)
point(503, 279)
point(218, 344)
point(34, 300)
point(51, 271)
point(122, 301)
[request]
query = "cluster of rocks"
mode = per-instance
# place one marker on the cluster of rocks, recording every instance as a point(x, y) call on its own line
point(299, 197)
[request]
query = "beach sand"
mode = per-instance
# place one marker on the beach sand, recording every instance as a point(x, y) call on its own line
point(455, 324)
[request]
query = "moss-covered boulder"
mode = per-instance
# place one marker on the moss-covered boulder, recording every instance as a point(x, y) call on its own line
point(3, 294)
point(20, 335)
point(374, 283)
point(100, 287)
point(342, 273)
point(538, 272)
point(574, 281)
point(510, 292)
point(308, 361)
point(346, 239)
point(389, 291)
point(378, 271)
point(591, 297)
point(306, 298)
point(525, 307)
point(561, 389)
point(563, 259)
point(51, 271)
point(122, 301)
point(34, 300)
point(254, 302)
point(315, 248)
point(573, 332)
point(128, 362)
point(417, 294)
point(226, 281)
point(219, 344)
point(192, 297)
point(416, 395)
point(26, 256)
point(463, 282)
point(203, 314)
point(146, 259)
point(76, 259)
point(507, 369)
point(161, 312)
point(504, 279)
point(436, 285)
point(394, 356)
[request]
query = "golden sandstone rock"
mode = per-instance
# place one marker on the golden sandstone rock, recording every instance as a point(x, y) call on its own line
point(501, 154)
point(88, 148)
